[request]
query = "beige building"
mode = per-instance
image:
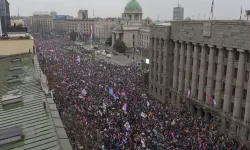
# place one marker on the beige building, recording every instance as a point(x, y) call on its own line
point(131, 28)
point(59, 26)
point(41, 23)
point(16, 44)
point(192, 59)
point(103, 29)
point(80, 26)
point(82, 14)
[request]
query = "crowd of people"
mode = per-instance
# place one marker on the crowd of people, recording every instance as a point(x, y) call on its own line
point(105, 106)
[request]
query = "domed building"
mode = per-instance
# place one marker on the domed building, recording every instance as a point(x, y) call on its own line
point(131, 28)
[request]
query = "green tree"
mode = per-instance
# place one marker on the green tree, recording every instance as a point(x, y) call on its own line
point(73, 35)
point(120, 46)
point(108, 41)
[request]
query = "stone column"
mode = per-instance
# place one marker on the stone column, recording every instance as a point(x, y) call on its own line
point(239, 84)
point(176, 60)
point(113, 39)
point(194, 71)
point(188, 67)
point(160, 62)
point(247, 109)
point(229, 78)
point(202, 74)
point(181, 67)
point(155, 62)
point(210, 72)
point(219, 74)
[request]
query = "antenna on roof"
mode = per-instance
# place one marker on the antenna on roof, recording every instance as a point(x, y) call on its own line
point(18, 13)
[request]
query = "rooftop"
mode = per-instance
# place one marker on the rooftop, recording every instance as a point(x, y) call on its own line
point(41, 128)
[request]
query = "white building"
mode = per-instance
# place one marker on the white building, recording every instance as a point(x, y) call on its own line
point(131, 28)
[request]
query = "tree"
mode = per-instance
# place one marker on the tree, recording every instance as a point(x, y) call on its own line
point(120, 46)
point(108, 41)
point(73, 35)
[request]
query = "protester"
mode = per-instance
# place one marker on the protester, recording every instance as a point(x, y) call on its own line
point(102, 107)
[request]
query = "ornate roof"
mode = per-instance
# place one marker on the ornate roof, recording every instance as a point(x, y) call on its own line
point(158, 22)
point(133, 5)
point(148, 18)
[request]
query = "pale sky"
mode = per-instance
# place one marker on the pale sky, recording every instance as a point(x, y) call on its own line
point(223, 9)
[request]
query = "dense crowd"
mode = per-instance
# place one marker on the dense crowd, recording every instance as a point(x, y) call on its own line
point(105, 106)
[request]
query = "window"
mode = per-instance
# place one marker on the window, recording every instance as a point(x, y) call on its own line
point(161, 92)
point(162, 43)
point(235, 72)
point(215, 68)
point(161, 80)
point(248, 136)
point(223, 87)
point(232, 107)
point(245, 94)
point(238, 130)
point(233, 91)
point(205, 81)
point(225, 54)
point(247, 57)
point(169, 95)
point(214, 84)
point(237, 55)
point(156, 90)
point(227, 124)
point(133, 36)
point(221, 103)
point(225, 70)
point(246, 76)
point(207, 65)
point(157, 78)
point(161, 68)
point(242, 112)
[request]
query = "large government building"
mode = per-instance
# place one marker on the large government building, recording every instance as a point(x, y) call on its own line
point(131, 28)
point(192, 59)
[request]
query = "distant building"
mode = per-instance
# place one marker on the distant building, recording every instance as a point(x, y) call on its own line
point(83, 14)
point(41, 22)
point(5, 15)
point(53, 14)
point(178, 13)
point(103, 28)
point(82, 27)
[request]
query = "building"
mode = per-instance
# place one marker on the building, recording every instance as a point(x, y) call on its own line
point(206, 59)
point(53, 14)
point(41, 22)
point(178, 13)
point(59, 22)
point(82, 27)
point(5, 15)
point(83, 14)
point(103, 28)
point(131, 28)
point(29, 116)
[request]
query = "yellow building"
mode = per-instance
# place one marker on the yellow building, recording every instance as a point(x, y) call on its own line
point(16, 44)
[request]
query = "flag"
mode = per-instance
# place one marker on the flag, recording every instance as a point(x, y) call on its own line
point(240, 12)
point(143, 115)
point(124, 107)
point(210, 100)
point(91, 32)
point(212, 7)
point(111, 92)
point(127, 125)
point(189, 93)
point(123, 92)
point(51, 50)
point(85, 120)
point(84, 92)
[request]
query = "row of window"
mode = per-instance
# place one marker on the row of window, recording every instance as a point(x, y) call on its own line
point(157, 43)
point(85, 24)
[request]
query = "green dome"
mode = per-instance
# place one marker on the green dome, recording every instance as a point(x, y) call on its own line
point(158, 22)
point(148, 18)
point(132, 5)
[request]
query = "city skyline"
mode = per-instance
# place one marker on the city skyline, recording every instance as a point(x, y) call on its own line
point(112, 8)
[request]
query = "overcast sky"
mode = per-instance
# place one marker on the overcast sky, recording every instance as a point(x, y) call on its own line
point(223, 9)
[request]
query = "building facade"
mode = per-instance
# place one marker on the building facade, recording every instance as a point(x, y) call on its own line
point(178, 13)
point(209, 59)
point(131, 28)
point(83, 14)
point(103, 28)
point(82, 27)
point(5, 15)
point(41, 22)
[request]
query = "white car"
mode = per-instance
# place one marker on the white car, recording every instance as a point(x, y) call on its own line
point(109, 56)
point(103, 53)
